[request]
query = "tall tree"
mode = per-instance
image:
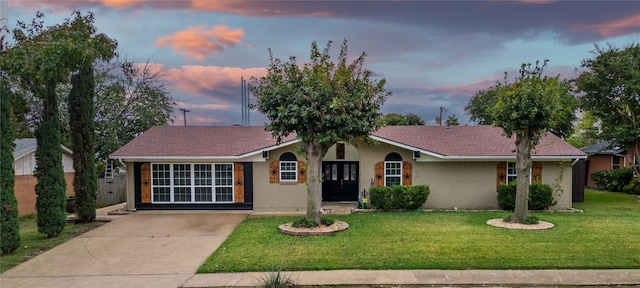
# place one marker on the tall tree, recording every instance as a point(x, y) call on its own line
point(528, 108)
point(611, 92)
point(479, 106)
point(130, 99)
point(82, 115)
point(42, 58)
point(322, 102)
point(586, 131)
point(393, 119)
point(9, 229)
point(480, 109)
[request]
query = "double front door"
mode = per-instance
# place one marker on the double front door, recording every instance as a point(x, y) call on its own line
point(340, 181)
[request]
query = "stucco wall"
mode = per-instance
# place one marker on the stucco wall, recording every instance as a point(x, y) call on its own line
point(277, 196)
point(26, 193)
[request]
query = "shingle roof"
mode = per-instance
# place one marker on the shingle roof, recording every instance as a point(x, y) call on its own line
point(199, 141)
point(470, 141)
point(238, 141)
point(25, 146)
point(602, 148)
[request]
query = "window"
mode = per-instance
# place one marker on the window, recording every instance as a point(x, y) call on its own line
point(393, 169)
point(615, 162)
point(192, 183)
point(511, 172)
point(288, 167)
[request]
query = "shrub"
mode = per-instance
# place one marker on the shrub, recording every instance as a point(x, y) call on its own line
point(540, 196)
point(614, 180)
point(399, 197)
point(507, 196)
point(304, 223)
point(531, 220)
point(632, 188)
point(276, 280)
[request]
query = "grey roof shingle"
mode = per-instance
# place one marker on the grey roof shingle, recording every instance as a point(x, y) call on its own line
point(25, 146)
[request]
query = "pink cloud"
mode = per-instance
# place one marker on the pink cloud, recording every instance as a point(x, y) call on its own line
point(203, 106)
point(197, 79)
point(199, 43)
point(613, 28)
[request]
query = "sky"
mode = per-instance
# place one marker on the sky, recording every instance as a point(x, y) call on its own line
point(432, 53)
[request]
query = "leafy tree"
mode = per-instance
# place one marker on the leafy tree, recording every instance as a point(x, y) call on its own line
point(611, 92)
point(82, 115)
point(586, 132)
point(479, 106)
point(41, 59)
point(480, 109)
point(453, 120)
point(393, 119)
point(322, 102)
point(9, 229)
point(130, 99)
point(528, 108)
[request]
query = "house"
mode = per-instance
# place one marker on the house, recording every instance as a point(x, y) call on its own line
point(241, 167)
point(602, 157)
point(24, 164)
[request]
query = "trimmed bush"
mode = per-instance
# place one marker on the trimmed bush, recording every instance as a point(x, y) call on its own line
point(540, 196)
point(399, 197)
point(507, 196)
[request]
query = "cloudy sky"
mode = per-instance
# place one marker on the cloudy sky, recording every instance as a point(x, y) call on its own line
point(432, 53)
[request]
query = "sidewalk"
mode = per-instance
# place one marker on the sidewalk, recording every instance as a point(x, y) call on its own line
point(428, 277)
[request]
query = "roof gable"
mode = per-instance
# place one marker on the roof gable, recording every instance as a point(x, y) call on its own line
point(25, 146)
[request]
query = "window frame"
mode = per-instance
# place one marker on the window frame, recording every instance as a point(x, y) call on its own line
point(399, 169)
point(515, 175)
point(287, 171)
point(615, 165)
point(192, 186)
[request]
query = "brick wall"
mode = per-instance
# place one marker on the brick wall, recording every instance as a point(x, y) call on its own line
point(26, 194)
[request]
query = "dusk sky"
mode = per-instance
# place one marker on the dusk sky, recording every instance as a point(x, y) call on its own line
point(432, 53)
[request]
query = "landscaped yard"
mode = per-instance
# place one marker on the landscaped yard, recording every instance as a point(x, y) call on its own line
point(606, 235)
point(33, 243)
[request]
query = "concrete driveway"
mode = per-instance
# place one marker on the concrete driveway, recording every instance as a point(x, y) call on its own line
point(143, 249)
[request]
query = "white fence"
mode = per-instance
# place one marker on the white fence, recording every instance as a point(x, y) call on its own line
point(112, 191)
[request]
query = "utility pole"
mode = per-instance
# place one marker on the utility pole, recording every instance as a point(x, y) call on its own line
point(439, 119)
point(184, 114)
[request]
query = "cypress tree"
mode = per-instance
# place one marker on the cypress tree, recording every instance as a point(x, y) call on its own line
point(9, 229)
point(51, 186)
point(82, 114)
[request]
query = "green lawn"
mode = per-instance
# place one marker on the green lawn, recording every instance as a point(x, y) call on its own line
point(606, 235)
point(33, 243)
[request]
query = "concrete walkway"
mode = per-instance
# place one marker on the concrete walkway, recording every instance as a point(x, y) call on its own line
point(429, 277)
point(165, 248)
point(142, 249)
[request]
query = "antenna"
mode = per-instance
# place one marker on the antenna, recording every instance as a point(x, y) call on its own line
point(184, 114)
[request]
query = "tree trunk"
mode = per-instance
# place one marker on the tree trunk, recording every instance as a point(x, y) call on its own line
point(523, 163)
point(315, 152)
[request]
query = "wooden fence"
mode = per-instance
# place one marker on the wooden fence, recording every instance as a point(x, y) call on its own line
point(112, 191)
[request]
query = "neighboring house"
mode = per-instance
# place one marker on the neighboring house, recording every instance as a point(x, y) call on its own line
point(241, 167)
point(24, 163)
point(602, 157)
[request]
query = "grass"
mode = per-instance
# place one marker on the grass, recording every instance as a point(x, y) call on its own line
point(33, 243)
point(606, 235)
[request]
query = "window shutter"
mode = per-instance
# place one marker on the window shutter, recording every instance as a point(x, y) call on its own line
point(501, 174)
point(145, 185)
point(407, 175)
point(238, 182)
point(378, 174)
point(274, 172)
point(302, 172)
point(536, 172)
